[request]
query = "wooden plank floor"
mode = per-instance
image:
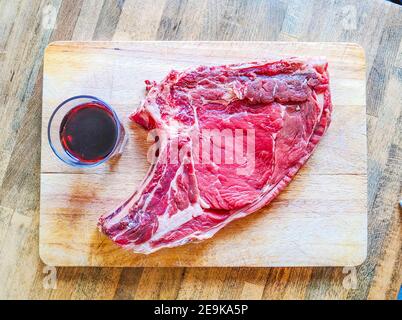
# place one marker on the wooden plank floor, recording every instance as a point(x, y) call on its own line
point(28, 26)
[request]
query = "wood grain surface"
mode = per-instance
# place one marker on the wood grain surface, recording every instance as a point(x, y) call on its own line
point(320, 220)
point(26, 29)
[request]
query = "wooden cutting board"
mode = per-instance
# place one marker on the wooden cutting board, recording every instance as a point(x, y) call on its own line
point(319, 220)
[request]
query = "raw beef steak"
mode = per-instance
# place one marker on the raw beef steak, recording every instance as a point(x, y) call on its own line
point(262, 121)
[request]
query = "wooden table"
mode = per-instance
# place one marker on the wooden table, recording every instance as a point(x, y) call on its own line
point(28, 26)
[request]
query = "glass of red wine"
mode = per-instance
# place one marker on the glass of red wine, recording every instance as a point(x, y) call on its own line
point(85, 131)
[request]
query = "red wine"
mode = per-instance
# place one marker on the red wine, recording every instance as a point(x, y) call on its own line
point(88, 132)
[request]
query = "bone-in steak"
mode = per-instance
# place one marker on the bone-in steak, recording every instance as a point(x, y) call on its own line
point(229, 139)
